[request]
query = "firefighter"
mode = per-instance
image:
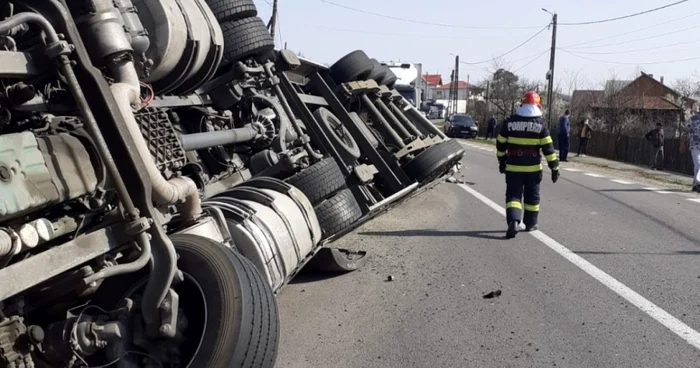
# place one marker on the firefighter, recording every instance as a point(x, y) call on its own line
point(518, 146)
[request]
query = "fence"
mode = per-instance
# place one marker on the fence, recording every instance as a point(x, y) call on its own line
point(632, 150)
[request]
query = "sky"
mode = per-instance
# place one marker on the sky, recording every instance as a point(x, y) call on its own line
point(586, 55)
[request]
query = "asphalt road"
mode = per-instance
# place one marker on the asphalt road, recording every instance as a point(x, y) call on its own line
point(612, 279)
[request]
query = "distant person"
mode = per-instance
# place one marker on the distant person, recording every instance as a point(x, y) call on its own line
point(563, 134)
point(584, 135)
point(491, 132)
point(692, 127)
point(656, 137)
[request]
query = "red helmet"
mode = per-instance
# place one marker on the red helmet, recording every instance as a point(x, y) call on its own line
point(531, 98)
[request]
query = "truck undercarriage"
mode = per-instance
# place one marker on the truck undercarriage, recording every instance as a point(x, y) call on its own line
point(164, 171)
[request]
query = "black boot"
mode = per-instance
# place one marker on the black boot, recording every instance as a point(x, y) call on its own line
point(512, 230)
point(530, 228)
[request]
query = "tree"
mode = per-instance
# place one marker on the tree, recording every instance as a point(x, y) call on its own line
point(504, 90)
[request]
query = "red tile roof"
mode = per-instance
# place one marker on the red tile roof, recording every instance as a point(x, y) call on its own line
point(460, 85)
point(432, 79)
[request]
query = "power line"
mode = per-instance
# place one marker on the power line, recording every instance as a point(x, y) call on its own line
point(624, 16)
point(511, 50)
point(398, 34)
point(628, 63)
point(419, 21)
point(531, 61)
point(638, 39)
point(637, 50)
point(634, 30)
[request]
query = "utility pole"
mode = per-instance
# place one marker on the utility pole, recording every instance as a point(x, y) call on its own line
point(550, 73)
point(273, 19)
point(466, 109)
point(456, 84)
point(451, 98)
point(488, 100)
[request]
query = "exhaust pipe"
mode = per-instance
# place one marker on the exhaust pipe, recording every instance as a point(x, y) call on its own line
point(126, 91)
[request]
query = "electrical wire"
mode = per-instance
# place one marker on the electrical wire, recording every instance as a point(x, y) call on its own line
point(398, 34)
point(508, 52)
point(636, 50)
point(419, 21)
point(531, 61)
point(624, 16)
point(634, 30)
point(636, 40)
point(629, 63)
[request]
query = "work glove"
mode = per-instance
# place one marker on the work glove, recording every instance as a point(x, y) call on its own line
point(502, 166)
point(555, 175)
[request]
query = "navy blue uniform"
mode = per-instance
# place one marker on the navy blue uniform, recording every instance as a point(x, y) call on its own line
point(518, 149)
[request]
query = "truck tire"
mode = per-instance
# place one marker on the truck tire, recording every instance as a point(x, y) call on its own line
point(229, 10)
point(244, 38)
point(337, 260)
point(434, 162)
point(379, 72)
point(389, 79)
point(338, 212)
point(344, 142)
point(351, 67)
point(319, 181)
point(242, 327)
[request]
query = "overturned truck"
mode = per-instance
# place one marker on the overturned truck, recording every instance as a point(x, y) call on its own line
point(164, 171)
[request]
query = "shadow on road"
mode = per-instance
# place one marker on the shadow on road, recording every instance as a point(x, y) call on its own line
point(306, 276)
point(676, 253)
point(491, 234)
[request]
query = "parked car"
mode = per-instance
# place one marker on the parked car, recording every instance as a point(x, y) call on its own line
point(459, 125)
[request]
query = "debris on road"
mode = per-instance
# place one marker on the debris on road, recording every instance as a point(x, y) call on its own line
point(454, 180)
point(390, 278)
point(493, 294)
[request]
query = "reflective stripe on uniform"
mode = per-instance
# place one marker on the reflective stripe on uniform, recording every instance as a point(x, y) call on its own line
point(545, 140)
point(500, 153)
point(523, 169)
point(514, 204)
point(532, 207)
point(524, 141)
point(555, 168)
point(551, 157)
point(501, 139)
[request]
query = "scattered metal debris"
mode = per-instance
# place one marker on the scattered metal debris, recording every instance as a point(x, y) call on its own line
point(493, 294)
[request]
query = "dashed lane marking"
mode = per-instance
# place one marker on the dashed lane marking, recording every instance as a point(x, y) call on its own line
point(594, 175)
point(696, 200)
point(623, 182)
point(572, 169)
point(674, 324)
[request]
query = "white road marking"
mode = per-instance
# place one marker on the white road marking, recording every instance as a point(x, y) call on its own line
point(657, 190)
point(694, 200)
point(675, 325)
point(620, 181)
point(594, 175)
point(572, 169)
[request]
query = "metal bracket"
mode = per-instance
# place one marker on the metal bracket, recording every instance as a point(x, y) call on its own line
point(365, 172)
point(360, 87)
point(416, 145)
point(137, 226)
point(168, 314)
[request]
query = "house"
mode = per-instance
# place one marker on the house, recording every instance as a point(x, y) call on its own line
point(430, 81)
point(442, 92)
point(636, 104)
